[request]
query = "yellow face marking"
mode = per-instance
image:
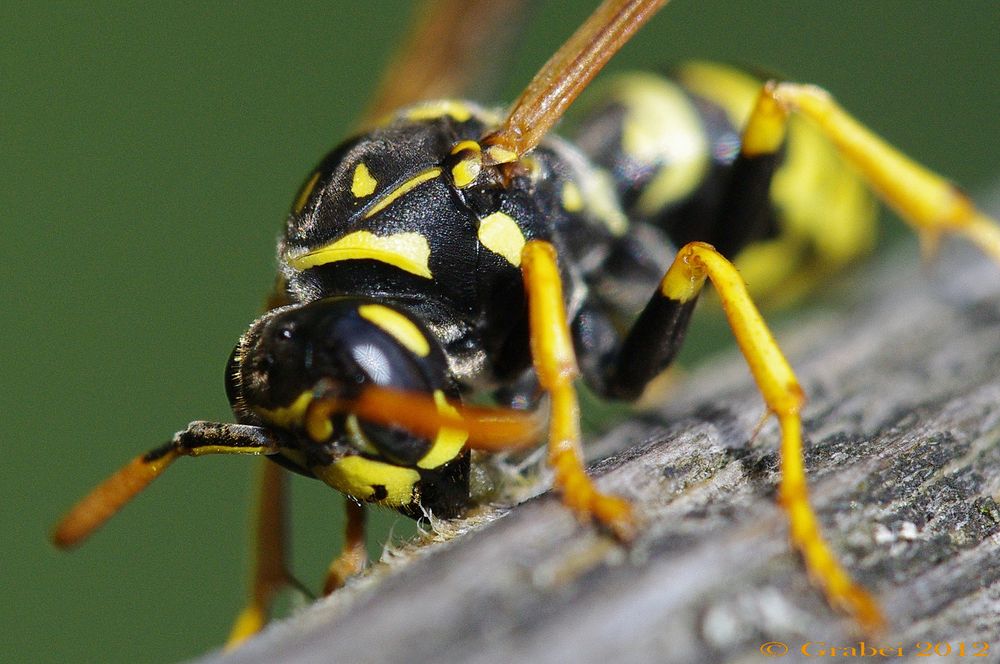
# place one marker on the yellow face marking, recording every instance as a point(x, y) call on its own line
point(572, 200)
point(363, 183)
point(356, 476)
point(398, 325)
point(404, 188)
point(433, 110)
point(500, 234)
point(407, 251)
point(662, 127)
point(287, 416)
point(448, 443)
point(305, 193)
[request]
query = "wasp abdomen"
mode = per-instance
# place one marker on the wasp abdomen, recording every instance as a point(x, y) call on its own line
point(673, 146)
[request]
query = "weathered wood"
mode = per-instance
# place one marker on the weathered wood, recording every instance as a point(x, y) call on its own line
point(903, 429)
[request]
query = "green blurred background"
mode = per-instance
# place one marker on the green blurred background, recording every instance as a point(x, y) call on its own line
point(149, 154)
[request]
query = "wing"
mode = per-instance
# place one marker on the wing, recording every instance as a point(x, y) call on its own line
point(456, 48)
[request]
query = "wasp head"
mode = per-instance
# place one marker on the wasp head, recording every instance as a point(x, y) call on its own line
point(332, 350)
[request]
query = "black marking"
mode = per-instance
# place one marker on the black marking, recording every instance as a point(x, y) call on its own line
point(729, 208)
point(443, 491)
point(650, 346)
point(379, 493)
point(158, 453)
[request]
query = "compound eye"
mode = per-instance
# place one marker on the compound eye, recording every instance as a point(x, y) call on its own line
point(383, 360)
point(384, 354)
point(387, 364)
point(269, 368)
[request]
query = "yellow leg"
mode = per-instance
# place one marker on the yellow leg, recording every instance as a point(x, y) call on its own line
point(555, 364)
point(354, 556)
point(270, 572)
point(928, 202)
point(694, 263)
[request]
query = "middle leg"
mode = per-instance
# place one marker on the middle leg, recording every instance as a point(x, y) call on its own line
point(653, 342)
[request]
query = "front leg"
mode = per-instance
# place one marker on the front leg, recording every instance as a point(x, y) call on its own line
point(555, 363)
point(270, 571)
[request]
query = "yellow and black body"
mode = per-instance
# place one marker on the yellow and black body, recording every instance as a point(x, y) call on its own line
point(402, 274)
point(447, 252)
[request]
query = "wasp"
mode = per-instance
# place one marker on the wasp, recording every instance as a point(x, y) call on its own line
point(448, 251)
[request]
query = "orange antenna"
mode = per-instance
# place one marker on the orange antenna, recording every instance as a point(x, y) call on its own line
point(111, 495)
point(489, 428)
point(115, 492)
point(565, 76)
